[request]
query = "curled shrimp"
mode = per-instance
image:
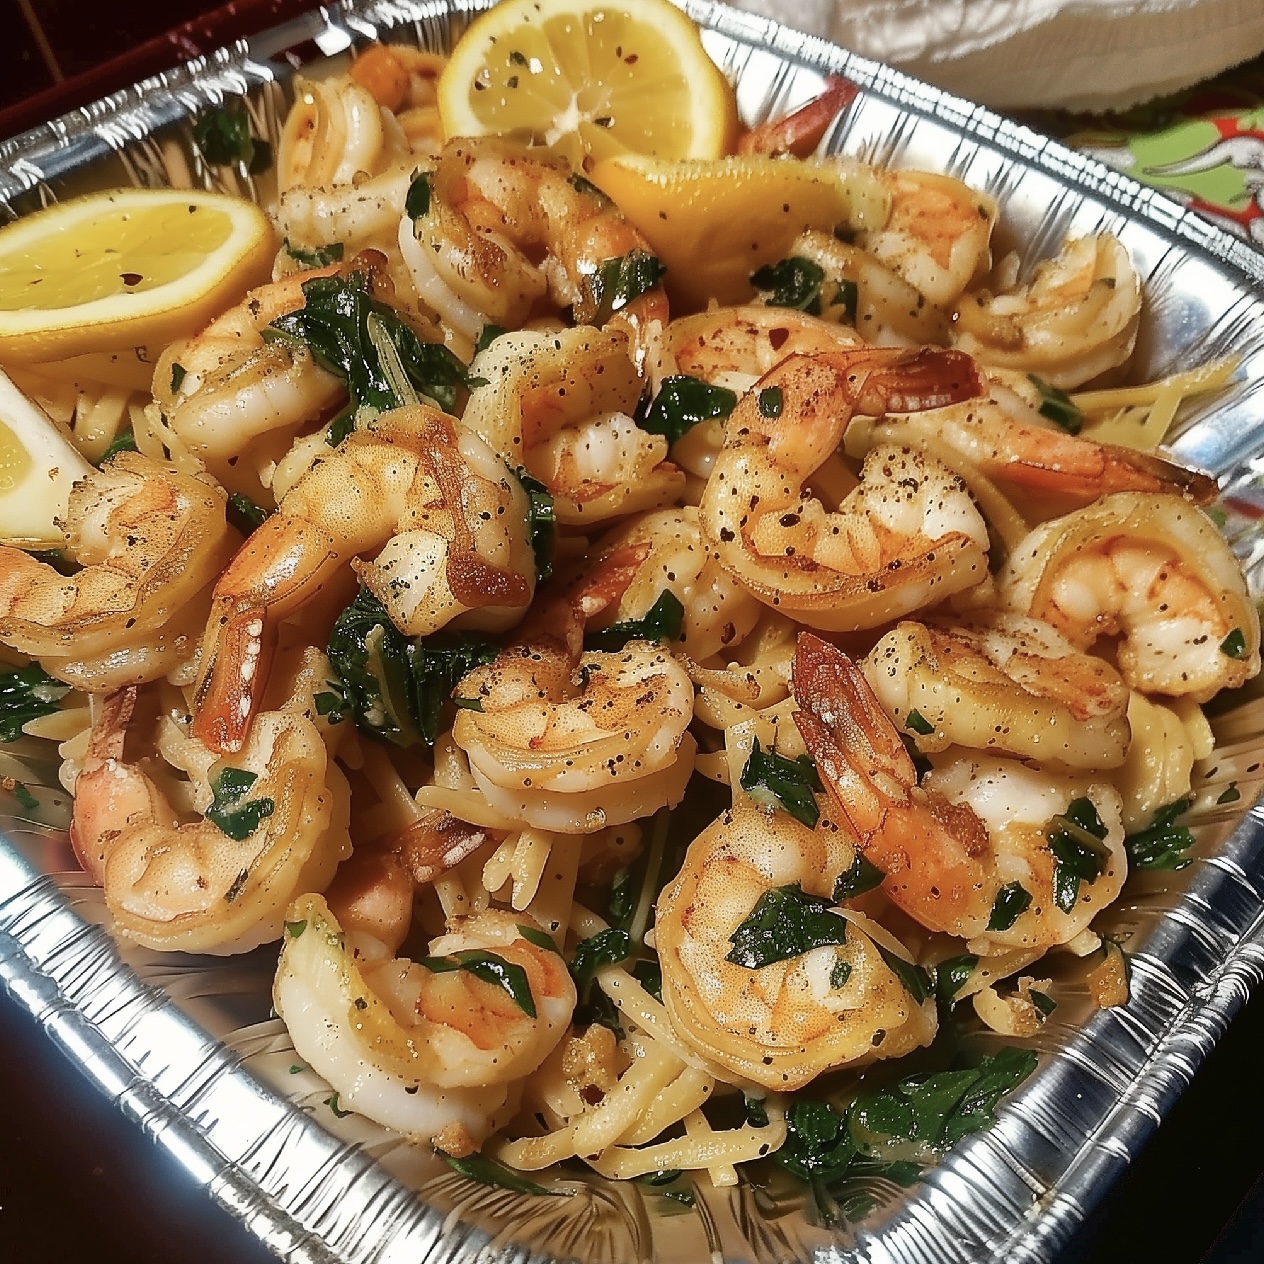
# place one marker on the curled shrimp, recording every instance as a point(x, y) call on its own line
point(224, 388)
point(907, 536)
point(220, 883)
point(1005, 683)
point(734, 347)
point(968, 852)
point(783, 1023)
point(799, 133)
point(937, 236)
point(560, 405)
point(571, 741)
point(492, 205)
point(429, 1049)
point(1076, 318)
point(449, 526)
point(1152, 571)
point(718, 611)
point(149, 541)
point(1002, 434)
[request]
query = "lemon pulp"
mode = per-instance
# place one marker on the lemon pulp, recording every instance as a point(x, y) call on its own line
point(92, 261)
point(15, 460)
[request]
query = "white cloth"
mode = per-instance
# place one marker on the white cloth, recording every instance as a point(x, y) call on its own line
point(1081, 54)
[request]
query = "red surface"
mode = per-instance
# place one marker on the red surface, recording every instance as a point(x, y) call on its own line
point(68, 53)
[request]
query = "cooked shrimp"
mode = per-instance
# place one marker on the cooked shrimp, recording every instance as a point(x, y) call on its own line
point(969, 852)
point(1153, 571)
point(1004, 436)
point(560, 405)
point(799, 133)
point(426, 1048)
point(225, 387)
point(718, 611)
point(492, 205)
point(1005, 683)
point(218, 884)
point(937, 236)
point(886, 310)
point(906, 537)
point(783, 1023)
point(334, 132)
point(448, 521)
point(571, 741)
point(735, 346)
point(150, 542)
point(1076, 318)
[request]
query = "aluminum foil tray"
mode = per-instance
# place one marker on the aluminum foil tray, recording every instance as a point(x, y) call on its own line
point(187, 1046)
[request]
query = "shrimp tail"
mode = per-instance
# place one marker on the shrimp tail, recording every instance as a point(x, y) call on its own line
point(858, 752)
point(228, 694)
point(799, 133)
point(907, 381)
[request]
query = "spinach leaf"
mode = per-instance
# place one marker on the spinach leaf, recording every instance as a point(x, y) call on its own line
point(318, 257)
point(790, 782)
point(1075, 839)
point(606, 948)
point(244, 514)
point(27, 694)
point(490, 968)
point(818, 1144)
point(681, 403)
point(1011, 902)
point(488, 1172)
point(621, 900)
point(1163, 843)
point(794, 282)
point(487, 335)
point(951, 975)
point(364, 342)
point(860, 877)
point(784, 923)
point(124, 441)
point(1234, 645)
point(417, 199)
point(649, 974)
point(662, 622)
point(397, 688)
point(222, 135)
point(541, 523)
point(237, 816)
point(615, 284)
point(915, 980)
point(1057, 405)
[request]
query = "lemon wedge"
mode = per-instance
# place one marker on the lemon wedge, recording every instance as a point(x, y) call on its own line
point(714, 222)
point(38, 466)
point(589, 78)
point(126, 268)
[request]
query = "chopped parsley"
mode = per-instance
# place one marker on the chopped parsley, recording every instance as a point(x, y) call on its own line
point(1011, 902)
point(490, 968)
point(918, 723)
point(1075, 840)
point(1163, 843)
point(951, 975)
point(662, 622)
point(244, 514)
point(789, 783)
point(223, 137)
point(1057, 406)
point(417, 200)
point(317, 257)
point(794, 282)
point(487, 335)
point(861, 876)
point(606, 948)
point(616, 283)
point(124, 441)
point(771, 402)
point(913, 978)
point(1234, 645)
point(784, 923)
point(681, 403)
point(230, 810)
point(27, 694)
point(541, 523)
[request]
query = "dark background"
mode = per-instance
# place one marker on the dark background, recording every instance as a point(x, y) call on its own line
point(79, 1184)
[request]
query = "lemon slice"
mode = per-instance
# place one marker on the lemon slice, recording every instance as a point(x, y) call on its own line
point(589, 78)
point(713, 223)
point(38, 466)
point(126, 268)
